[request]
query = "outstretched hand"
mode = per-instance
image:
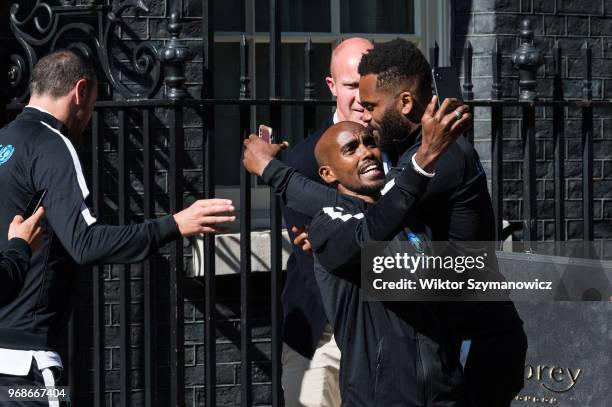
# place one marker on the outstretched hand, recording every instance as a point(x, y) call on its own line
point(203, 216)
point(440, 128)
point(258, 153)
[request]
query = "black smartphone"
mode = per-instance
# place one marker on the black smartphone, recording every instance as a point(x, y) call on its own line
point(446, 84)
point(34, 203)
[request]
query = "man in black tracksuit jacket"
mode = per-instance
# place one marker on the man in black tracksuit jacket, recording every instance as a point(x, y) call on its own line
point(394, 353)
point(395, 87)
point(38, 154)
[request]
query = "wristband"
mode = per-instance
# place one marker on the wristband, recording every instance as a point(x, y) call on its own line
point(420, 170)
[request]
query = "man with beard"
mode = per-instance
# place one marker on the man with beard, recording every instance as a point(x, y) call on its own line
point(395, 88)
point(393, 354)
point(456, 206)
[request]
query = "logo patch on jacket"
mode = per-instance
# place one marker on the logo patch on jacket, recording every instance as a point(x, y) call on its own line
point(6, 152)
point(416, 242)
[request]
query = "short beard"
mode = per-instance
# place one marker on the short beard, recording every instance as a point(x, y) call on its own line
point(366, 190)
point(391, 129)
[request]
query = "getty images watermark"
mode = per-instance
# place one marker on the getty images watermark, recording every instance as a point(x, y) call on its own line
point(415, 270)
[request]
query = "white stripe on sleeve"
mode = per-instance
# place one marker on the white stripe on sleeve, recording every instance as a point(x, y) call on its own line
point(338, 215)
point(75, 161)
point(387, 187)
point(89, 219)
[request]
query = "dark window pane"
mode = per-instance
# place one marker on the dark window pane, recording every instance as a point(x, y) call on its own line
point(292, 84)
point(296, 15)
point(377, 16)
point(292, 70)
point(229, 15)
point(227, 132)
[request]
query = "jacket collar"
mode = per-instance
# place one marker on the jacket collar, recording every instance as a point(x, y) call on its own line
point(31, 112)
point(352, 202)
point(403, 144)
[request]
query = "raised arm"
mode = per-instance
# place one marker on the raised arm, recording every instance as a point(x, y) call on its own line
point(297, 191)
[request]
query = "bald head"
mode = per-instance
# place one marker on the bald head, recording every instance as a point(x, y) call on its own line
point(343, 81)
point(331, 141)
point(348, 52)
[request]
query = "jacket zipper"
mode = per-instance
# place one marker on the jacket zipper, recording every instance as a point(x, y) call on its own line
point(378, 363)
point(423, 374)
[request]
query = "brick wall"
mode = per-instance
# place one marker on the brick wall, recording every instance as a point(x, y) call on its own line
point(571, 23)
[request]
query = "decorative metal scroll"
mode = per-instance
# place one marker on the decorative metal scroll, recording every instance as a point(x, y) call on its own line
point(90, 29)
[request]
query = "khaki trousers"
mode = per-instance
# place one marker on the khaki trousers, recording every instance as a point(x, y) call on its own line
point(312, 383)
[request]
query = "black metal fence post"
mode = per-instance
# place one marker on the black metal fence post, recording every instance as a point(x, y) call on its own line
point(177, 319)
point(559, 146)
point(527, 58)
point(174, 56)
point(497, 143)
point(309, 88)
point(125, 276)
point(275, 208)
point(210, 287)
point(150, 315)
point(97, 144)
point(468, 86)
point(245, 237)
point(587, 144)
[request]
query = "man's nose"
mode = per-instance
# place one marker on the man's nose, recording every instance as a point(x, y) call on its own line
point(366, 116)
point(365, 152)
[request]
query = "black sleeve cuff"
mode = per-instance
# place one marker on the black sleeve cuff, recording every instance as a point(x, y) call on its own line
point(168, 229)
point(410, 181)
point(20, 245)
point(275, 174)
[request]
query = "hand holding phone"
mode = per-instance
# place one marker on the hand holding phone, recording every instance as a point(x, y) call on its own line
point(35, 203)
point(28, 229)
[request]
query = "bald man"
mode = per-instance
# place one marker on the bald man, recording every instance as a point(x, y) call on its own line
point(310, 355)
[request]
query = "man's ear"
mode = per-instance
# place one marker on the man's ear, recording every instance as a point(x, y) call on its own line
point(406, 101)
point(327, 174)
point(81, 90)
point(331, 85)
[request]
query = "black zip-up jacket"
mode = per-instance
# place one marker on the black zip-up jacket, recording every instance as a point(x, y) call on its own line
point(393, 353)
point(14, 264)
point(35, 154)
